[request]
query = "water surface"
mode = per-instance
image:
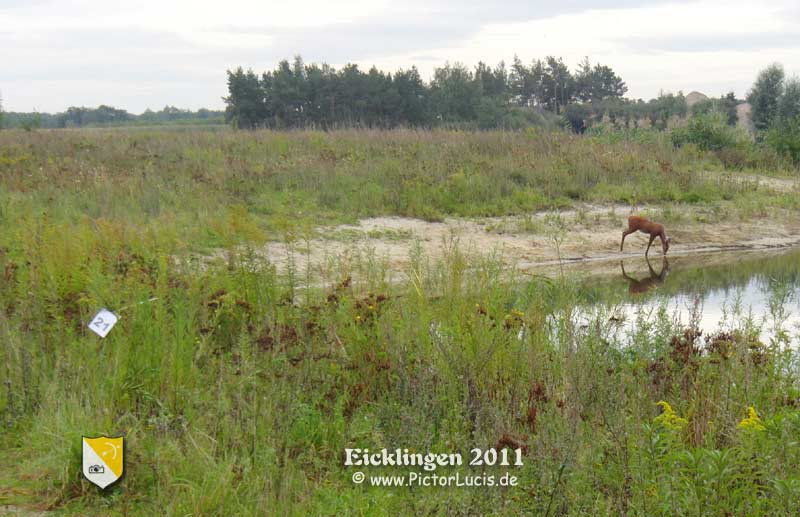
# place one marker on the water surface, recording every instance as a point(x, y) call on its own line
point(720, 292)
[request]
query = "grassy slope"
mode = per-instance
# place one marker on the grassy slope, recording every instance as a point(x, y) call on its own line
point(237, 391)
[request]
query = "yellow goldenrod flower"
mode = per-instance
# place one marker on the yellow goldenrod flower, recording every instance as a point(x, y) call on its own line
point(752, 422)
point(668, 419)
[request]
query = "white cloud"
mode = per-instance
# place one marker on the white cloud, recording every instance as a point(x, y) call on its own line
point(136, 55)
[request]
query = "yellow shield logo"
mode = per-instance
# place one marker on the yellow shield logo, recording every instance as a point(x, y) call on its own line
point(103, 459)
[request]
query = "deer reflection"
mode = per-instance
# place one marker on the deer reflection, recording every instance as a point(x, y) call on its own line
point(645, 284)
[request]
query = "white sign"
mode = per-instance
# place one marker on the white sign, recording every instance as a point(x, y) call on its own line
point(103, 322)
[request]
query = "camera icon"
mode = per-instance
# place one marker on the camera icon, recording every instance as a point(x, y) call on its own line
point(96, 469)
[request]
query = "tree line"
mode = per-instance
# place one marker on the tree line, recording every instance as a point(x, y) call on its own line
point(104, 116)
point(318, 95)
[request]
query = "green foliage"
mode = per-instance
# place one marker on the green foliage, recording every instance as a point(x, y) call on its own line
point(102, 115)
point(238, 387)
point(455, 94)
point(784, 137)
point(32, 123)
point(598, 83)
point(709, 132)
point(107, 116)
point(318, 96)
point(628, 114)
point(776, 112)
point(725, 105)
point(764, 96)
point(245, 103)
point(789, 101)
point(575, 116)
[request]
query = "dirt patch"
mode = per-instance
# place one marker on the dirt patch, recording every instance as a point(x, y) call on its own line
point(536, 242)
point(14, 510)
point(761, 181)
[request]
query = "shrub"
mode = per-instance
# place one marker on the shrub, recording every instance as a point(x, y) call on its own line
point(784, 138)
point(709, 132)
point(575, 116)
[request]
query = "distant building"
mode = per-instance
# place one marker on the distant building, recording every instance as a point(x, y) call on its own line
point(743, 112)
point(695, 97)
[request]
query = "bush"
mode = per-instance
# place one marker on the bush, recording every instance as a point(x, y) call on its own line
point(575, 116)
point(784, 138)
point(709, 132)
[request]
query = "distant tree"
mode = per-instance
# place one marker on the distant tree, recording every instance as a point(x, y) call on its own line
point(245, 102)
point(413, 98)
point(784, 137)
point(765, 95)
point(576, 115)
point(320, 102)
point(558, 84)
point(33, 122)
point(583, 81)
point(285, 93)
point(606, 84)
point(666, 106)
point(455, 94)
point(101, 116)
point(522, 84)
point(493, 82)
point(73, 117)
point(789, 101)
point(726, 105)
point(352, 94)
point(298, 95)
point(1, 111)
point(537, 77)
point(593, 84)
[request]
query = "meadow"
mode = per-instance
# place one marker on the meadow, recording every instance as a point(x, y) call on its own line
point(238, 386)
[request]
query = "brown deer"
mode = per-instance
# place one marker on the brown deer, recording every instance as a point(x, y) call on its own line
point(645, 284)
point(649, 227)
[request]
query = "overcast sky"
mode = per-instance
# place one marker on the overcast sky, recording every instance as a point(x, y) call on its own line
point(135, 55)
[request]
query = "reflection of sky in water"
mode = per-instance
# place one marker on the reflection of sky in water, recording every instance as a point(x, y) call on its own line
point(724, 309)
point(770, 305)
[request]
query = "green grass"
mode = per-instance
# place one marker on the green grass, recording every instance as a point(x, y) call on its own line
point(238, 389)
point(210, 187)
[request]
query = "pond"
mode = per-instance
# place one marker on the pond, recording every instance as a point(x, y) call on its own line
point(721, 292)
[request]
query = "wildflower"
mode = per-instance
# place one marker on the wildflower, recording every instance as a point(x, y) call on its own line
point(358, 317)
point(752, 422)
point(668, 419)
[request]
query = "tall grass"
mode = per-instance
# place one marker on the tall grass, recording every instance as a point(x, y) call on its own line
point(237, 390)
point(186, 178)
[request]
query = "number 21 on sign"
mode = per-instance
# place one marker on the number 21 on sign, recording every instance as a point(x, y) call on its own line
point(103, 322)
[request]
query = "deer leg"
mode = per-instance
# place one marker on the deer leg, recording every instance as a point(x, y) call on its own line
point(652, 238)
point(650, 267)
point(664, 268)
point(625, 234)
point(624, 275)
